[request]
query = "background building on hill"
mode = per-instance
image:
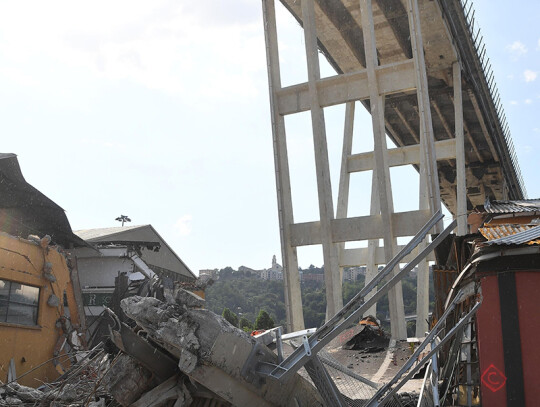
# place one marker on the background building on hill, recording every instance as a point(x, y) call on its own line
point(213, 273)
point(352, 273)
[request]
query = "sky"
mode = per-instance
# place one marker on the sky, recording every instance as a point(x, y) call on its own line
point(159, 111)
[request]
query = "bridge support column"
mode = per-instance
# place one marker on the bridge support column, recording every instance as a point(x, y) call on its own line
point(461, 187)
point(429, 180)
point(332, 274)
point(428, 167)
point(375, 83)
point(345, 176)
point(372, 268)
point(381, 172)
point(291, 277)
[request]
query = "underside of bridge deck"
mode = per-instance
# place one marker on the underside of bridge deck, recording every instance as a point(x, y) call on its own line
point(491, 172)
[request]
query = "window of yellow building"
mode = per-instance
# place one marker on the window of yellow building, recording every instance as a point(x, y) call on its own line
point(18, 303)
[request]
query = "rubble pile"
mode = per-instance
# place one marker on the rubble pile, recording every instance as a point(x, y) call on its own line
point(83, 385)
point(174, 353)
point(202, 356)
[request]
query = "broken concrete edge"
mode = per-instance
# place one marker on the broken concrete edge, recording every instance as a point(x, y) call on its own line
point(172, 389)
point(212, 352)
point(127, 380)
point(184, 298)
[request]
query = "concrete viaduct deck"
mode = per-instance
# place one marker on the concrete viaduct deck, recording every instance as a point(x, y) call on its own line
point(491, 166)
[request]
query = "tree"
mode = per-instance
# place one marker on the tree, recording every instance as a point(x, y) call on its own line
point(250, 295)
point(312, 318)
point(264, 321)
point(226, 273)
point(245, 324)
point(230, 316)
point(123, 218)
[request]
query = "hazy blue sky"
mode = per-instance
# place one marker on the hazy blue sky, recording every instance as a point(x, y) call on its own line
point(159, 110)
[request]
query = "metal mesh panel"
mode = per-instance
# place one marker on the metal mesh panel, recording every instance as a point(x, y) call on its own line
point(427, 398)
point(355, 392)
point(319, 378)
point(337, 384)
point(314, 401)
point(426, 394)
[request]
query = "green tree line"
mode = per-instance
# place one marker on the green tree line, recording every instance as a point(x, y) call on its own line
point(246, 296)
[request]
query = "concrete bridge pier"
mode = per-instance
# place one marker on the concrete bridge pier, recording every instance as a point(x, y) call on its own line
point(386, 53)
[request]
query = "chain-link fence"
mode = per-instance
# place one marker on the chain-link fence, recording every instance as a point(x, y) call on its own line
point(354, 390)
point(425, 398)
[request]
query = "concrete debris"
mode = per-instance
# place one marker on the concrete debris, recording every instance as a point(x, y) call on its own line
point(185, 298)
point(53, 301)
point(163, 321)
point(35, 239)
point(68, 393)
point(47, 267)
point(47, 271)
point(22, 392)
point(196, 358)
point(45, 241)
point(82, 385)
point(172, 389)
point(128, 380)
point(13, 401)
point(15, 394)
point(210, 353)
point(50, 277)
point(197, 288)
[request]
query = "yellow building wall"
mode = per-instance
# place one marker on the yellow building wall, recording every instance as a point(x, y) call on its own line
point(22, 261)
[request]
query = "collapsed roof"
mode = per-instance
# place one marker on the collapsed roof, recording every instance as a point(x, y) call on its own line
point(26, 211)
point(511, 222)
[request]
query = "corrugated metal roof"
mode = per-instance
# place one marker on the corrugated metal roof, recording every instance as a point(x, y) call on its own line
point(89, 234)
point(518, 206)
point(511, 234)
point(136, 233)
point(498, 231)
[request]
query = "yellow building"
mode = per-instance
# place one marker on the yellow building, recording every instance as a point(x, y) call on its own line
point(39, 320)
